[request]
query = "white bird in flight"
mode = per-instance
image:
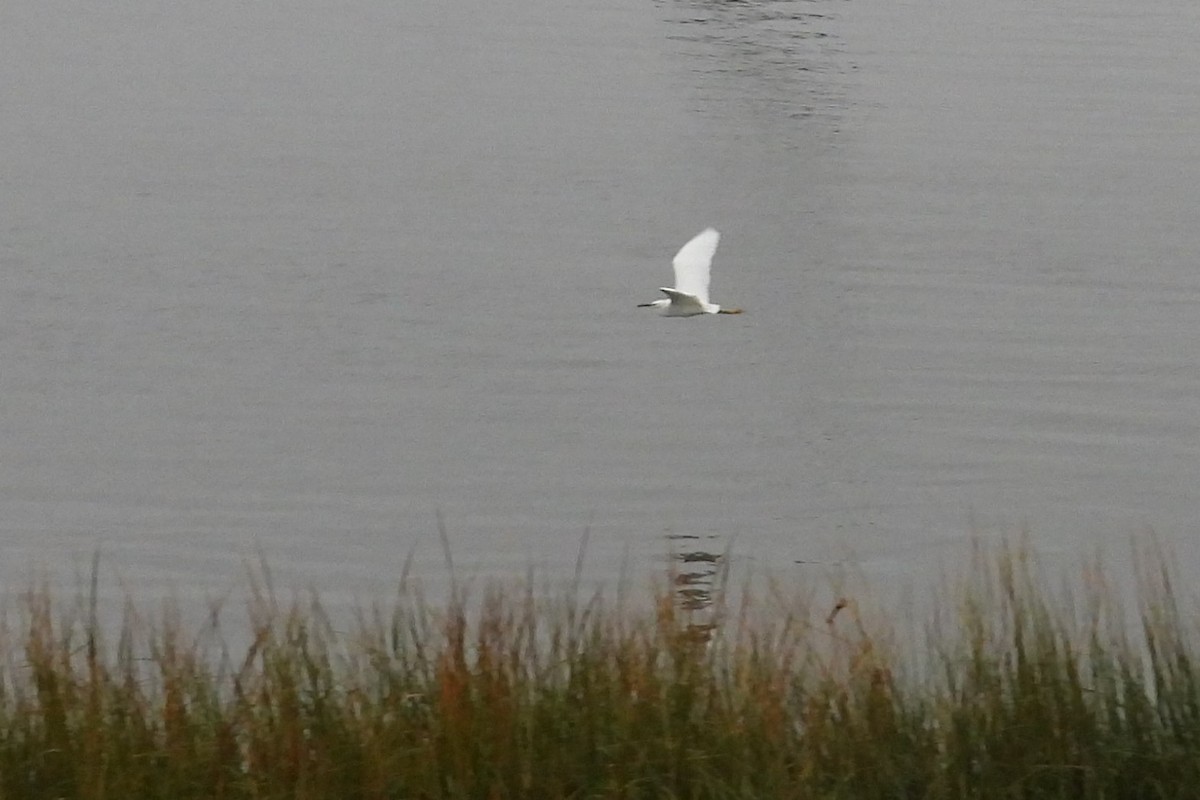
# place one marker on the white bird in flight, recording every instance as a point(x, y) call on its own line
point(689, 297)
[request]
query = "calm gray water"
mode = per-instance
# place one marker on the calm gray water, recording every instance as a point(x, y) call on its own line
point(298, 279)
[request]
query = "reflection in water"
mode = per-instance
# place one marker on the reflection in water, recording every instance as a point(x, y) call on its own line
point(695, 582)
point(781, 55)
point(697, 575)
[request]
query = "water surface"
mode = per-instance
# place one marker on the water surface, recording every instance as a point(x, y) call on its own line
point(300, 280)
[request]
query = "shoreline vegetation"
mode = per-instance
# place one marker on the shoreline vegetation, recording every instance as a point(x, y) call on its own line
point(1014, 690)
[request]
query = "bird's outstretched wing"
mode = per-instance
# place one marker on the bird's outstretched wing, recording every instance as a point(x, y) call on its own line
point(692, 264)
point(682, 303)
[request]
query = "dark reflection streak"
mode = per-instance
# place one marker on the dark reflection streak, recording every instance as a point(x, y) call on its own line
point(696, 578)
point(789, 58)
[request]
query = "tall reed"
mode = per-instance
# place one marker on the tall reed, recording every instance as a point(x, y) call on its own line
point(1015, 691)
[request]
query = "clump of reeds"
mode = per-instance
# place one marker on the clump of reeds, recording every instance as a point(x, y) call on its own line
point(512, 694)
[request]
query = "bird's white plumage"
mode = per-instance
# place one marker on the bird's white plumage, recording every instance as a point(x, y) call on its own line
point(681, 304)
point(689, 296)
point(693, 264)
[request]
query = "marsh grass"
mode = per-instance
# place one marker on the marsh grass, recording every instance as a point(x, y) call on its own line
point(1015, 691)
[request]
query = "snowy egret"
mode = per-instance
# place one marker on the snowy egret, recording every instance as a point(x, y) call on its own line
point(689, 297)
